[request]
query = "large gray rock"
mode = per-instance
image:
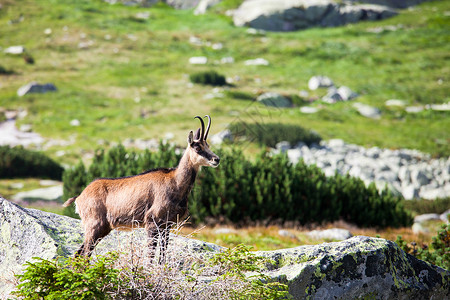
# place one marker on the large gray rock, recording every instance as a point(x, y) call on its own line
point(34, 87)
point(274, 99)
point(356, 268)
point(289, 15)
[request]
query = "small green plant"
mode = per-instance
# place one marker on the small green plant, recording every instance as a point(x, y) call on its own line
point(18, 162)
point(4, 71)
point(438, 253)
point(73, 278)
point(239, 263)
point(208, 78)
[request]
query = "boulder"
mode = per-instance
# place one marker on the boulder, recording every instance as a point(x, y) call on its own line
point(204, 5)
point(333, 234)
point(198, 60)
point(15, 50)
point(35, 87)
point(367, 110)
point(319, 81)
point(274, 99)
point(256, 62)
point(359, 267)
point(290, 15)
point(221, 137)
point(53, 193)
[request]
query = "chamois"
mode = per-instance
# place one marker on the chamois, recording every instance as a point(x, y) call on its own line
point(152, 200)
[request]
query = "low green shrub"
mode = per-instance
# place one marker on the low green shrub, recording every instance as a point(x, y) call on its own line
point(18, 162)
point(268, 188)
point(269, 134)
point(438, 253)
point(123, 276)
point(4, 71)
point(424, 206)
point(208, 78)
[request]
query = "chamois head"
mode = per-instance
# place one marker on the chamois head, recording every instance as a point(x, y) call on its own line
point(200, 153)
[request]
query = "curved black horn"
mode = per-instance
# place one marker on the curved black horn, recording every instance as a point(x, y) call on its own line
point(202, 132)
point(207, 128)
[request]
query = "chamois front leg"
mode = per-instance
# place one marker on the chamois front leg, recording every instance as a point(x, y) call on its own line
point(94, 232)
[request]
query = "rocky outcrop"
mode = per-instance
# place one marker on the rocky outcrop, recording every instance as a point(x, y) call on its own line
point(405, 172)
point(360, 267)
point(355, 268)
point(290, 15)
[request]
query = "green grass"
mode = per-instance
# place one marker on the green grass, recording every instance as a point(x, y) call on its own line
point(148, 59)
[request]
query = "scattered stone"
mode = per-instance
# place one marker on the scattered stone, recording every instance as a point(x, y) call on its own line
point(25, 127)
point(35, 87)
point(283, 146)
point(346, 93)
point(221, 137)
point(256, 62)
point(316, 82)
point(48, 31)
point(144, 15)
point(224, 230)
point(414, 109)
point(395, 102)
point(367, 110)
point(75, 122)
point(10, 135)
point(274, 99)
point(254, 31)
point(333, 234)
point(204, 5)
point(439, 107)
point(198, 60)
point(286, 234)
point(445, 216)
point(53, 193)
point(15, 50)
point(426, 217)
point(309, 109)
point(418, 228)
point(85, 45)
point(227, 60)
point(332, 96)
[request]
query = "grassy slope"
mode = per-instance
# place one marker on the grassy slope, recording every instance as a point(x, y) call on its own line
point(149, 60)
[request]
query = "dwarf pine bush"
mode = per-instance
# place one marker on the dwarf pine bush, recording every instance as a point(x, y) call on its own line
point(269, 188)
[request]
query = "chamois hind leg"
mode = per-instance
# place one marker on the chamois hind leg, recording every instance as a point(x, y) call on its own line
point(92, 236)
point(164, 242)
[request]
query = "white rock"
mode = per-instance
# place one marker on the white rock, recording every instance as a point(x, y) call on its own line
point(53, 193)
point(316, 82)
point(283, 146)
point(198, 60)
point(309, 109)
point(336, 234)
point(420, 177)
point(256, 62)
point(332, 96)
point(410, 192)
point(414, 109)
point(395, 102)
point(346, 93)
point(367, 110)
point(445, 216)
point(15, 50)
point(227, 60)
point(440, 107)
point(75, 122)
point(221, 137)
point(285, 233)
point(418, 228)
point(426, 217)
point(48, 31)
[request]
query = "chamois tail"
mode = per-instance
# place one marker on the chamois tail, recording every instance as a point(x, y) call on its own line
point(70, 201)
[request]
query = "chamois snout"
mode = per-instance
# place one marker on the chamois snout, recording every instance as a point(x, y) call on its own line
point(214, 161)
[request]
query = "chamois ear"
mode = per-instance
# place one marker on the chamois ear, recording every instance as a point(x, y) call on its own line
point(197, 135)
point(190, 139)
